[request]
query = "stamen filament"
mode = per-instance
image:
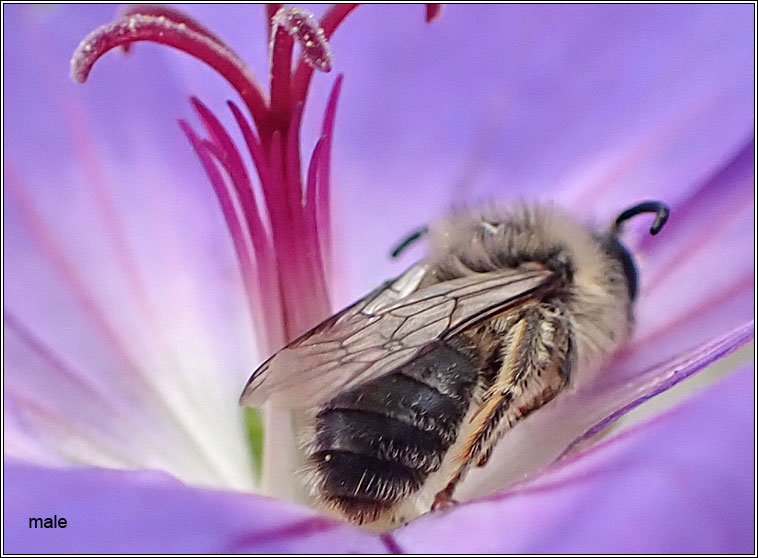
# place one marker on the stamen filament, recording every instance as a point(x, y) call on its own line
point(297, 201)
point(128, 30)
point(281, 66)
point(231, 216)
point(433, 12)
point(271, 10)
point(303, 72)
point(240, 179)
point(311, 221)
point(323, 211)
point(176, 16)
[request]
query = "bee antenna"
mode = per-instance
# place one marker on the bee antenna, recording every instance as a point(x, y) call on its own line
point(660, 209)
point(407, 241)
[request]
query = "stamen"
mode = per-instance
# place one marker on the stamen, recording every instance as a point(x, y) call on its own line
point(274, 204)
point(305, 29)
point(229, 212)
point(135, 28)
point(289, 274)
point(329, 22)
point(332, 19)
point(274, 197)
point(309, 253)
point(292, 178)
point(232, 162)
point(271, 10)
point(281, 63)
point(433, 12)
point(311, 187)
point(321, 209)
point(176, 16)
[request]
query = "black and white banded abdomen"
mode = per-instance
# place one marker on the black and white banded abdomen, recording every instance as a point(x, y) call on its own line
point(377, 443)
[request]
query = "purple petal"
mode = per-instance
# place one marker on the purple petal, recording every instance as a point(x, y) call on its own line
point(583, 411)
point(680, 483)
point(597, 106)
point(702, 312)
point(108, 282)
point(602, 104)
point(148, 512)
point(697, 276)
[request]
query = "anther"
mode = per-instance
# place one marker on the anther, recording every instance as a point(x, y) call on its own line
point(305, 29)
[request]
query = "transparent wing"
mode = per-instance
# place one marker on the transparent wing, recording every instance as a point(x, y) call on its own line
point(383, 331)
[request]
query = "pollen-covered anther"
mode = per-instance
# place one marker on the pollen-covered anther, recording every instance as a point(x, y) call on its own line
point(306, 31)
point(179, 34)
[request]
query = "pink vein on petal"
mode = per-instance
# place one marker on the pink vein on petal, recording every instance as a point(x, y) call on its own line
point(92, 166)
point(393, 547)
point(699, 241)
point(45, 239)
point(540, 486)
point(54, 422)
point(743, 284)
point(641, 151)
point(672, 372)
point(737, 171)
point(303, 528)
point(68, 372)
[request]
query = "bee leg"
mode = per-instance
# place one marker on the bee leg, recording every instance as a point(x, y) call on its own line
point(536, 358)
point(485, 456)
point(444, 498)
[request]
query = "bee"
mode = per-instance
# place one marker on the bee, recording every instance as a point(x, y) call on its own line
point(408, 388)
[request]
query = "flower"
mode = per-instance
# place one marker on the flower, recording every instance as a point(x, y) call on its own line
point(127, 326)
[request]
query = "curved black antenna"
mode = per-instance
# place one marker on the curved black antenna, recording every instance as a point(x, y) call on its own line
point(660, 209)
point(407, 241)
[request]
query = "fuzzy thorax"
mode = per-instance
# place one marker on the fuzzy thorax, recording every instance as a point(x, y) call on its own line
point(594, 287)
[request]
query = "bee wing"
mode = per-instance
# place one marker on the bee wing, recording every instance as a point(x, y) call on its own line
point(383, 331)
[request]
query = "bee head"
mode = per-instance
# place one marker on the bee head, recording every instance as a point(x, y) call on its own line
point(615, 249)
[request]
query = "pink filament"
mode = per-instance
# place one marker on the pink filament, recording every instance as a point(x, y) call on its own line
point(128, 30)
point(286, 264)
point(323, 216)
point(176, 16)
point(433, 12)
point(303, 72)
point(281, 62)
point(231, 216)
point(304, 28)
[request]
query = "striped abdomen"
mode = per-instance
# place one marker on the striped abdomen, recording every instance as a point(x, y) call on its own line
point(377, 443)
